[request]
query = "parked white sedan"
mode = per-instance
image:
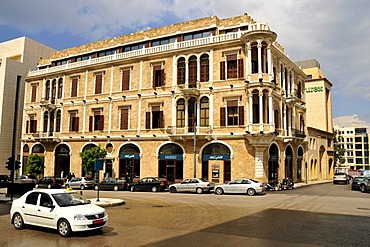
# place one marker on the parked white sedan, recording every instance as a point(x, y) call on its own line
point(197, 185)
point(240, 186)
point(61, 209)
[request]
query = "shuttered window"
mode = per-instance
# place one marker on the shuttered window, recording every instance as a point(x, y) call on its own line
point(98, 83)
point(124, 119)
point(125, 79)
point(74, 87)
point(33, 93)
point(158, 76)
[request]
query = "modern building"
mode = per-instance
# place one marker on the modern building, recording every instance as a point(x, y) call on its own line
point(17, 57)
point(212, 98)
point(355, 141)
point(320, 151)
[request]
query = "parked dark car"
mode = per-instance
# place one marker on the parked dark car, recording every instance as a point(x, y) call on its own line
point(3, 180)
point(149, 184)
point(50, 182)
point(356, 182)
point(365, 184)
point(111, 184)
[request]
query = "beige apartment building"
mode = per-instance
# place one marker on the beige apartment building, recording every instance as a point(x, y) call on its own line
point(212, 98)
point(17, 57)
point(320, 150)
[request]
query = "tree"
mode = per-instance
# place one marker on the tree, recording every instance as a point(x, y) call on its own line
point(89, 156)
point(35, 165)
point(339, 149)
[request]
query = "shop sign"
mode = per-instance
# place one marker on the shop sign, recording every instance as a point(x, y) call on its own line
point(129, 156)
point(314, 89)
point(170, 157)
point(216, 157)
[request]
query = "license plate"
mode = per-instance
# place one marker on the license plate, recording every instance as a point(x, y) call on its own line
point(98, 221)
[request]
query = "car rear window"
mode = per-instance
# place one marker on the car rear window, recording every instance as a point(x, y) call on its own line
point(89, 179)
point(339, 173)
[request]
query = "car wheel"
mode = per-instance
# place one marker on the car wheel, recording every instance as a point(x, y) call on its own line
point(154, 189)
point(49, 186)
point(132, 188)
point(96, 187)
point(64, 228)
point(219, 191)
point(199, 190)
point(115, 188)
point(18, 221)
point(173, 189)
point(363, 188)
point(82, 187)
point(251, 192)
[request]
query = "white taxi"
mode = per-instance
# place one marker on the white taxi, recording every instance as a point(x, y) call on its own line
point(61, 209)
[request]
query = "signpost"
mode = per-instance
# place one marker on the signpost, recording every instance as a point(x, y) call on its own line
point(98, 165)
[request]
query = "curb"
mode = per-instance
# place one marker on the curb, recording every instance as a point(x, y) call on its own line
point(107, 202)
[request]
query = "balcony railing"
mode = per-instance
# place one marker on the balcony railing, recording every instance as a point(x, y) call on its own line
point(298, 133)
point(142, 52)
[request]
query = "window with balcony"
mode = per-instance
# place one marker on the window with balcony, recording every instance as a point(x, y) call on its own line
point(124, 118)
point(98, 83)
point(96, 122)
point(163, 41)
point(180, 113)
point(47, 90)
point(73, 121)
point(107, 52)
point(74, 86)
point(31, 125)
point(58, 121)
point(53, 89)
point(181, 71)
point(204, 112)
point(158, 76)
point(197, 35)
point(125, 77)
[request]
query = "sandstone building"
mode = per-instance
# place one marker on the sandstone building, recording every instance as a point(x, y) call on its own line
point(212, 98)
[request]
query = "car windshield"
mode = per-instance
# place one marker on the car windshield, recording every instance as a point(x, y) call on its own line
point(69, 199)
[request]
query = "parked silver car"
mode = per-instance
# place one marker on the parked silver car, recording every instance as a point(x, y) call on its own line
point(240, 186)
point(80, 183)
point(341, 177)
point(197, 185)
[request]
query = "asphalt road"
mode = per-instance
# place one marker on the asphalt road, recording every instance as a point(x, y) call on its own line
point(319, 215)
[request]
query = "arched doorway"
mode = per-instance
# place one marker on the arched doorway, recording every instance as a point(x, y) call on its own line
point(299, 164)
point(26, 153)
point(62, 161)
point(273, 163)
point(129, 162)
point(216, 165)
point(289, 162)
point(171, 164)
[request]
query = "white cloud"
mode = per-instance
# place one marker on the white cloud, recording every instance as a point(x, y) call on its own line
point(350, 121)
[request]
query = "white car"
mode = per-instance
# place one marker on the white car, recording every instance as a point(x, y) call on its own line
point(240, 186)
point(197, 185)
point(61, 209)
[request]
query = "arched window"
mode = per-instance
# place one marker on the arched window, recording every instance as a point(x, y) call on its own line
point(192, 72)
point(60, 88)
point(204, 68)
point(46, 121)
point(256, 107)
point(47, 90)
point(180, 113)
point(53, 89)
point(265, 101)
point(52, 115)
point(58, 120)
point(204, 112)
point(181, 71)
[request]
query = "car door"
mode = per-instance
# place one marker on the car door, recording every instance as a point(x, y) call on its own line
point(46, 211)
point(233, 186)
point(183, 186)
point(30, 208)
point(192, 185)
point(72, 183)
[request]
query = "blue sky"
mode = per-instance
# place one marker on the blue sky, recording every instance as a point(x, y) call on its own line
point(335, 32)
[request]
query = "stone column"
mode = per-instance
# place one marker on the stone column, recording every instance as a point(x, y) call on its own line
point(260, 104)
point(259, 48)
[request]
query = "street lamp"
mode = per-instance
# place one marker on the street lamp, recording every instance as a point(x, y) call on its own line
point(195, 138)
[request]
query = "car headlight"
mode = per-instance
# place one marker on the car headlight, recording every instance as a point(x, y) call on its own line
point(79, 217)
point(105, 214)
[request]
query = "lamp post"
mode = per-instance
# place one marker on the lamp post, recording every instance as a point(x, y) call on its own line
point(195, 138)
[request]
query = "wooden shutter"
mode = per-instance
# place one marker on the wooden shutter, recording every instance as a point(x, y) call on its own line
point(222, 70)
point(162, 77)
point(98, 83)
point(222, 116)
point(240, 68)
point(27, 126)
point(241, 115)
point(33, 97)
point(91, 119)
point(125, 80)
point(76, 123)
point(74, 87)
point(34, 126)
point(124, 119)
point(101, 122)
point(147, 120)
point(161, 119)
